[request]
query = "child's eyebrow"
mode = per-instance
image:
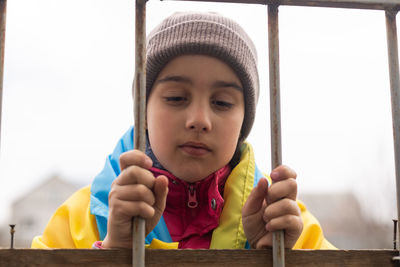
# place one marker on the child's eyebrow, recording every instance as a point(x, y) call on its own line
point(175, 78)
point(219, 84)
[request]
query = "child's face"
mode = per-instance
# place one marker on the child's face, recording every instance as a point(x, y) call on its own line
point(194, 115)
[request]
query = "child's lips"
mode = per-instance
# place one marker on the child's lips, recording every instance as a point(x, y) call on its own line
point(195, 149)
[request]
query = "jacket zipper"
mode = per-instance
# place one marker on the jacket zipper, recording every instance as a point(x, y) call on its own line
point(192, 199)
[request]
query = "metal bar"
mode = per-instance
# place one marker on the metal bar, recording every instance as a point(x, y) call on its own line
point(3, 7)
point(358, 4)
point(138, 230)
point(393, 57)
point(278, 253)
point(12, 231)
point(394, 234)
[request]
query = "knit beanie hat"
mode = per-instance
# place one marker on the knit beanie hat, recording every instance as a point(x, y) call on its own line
point(206, 34)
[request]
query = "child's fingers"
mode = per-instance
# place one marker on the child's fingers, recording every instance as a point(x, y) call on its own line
point(161, 192)
point(133, 192)
point(291, 224)
point(129, 209)
point(135, 175)
point(265, 241)
point(282, 189)
point(256, 198)
point(135, 157)
point(282, 172)
point(281, 208)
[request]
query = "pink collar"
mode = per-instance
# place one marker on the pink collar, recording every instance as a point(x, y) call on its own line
point(193, 209)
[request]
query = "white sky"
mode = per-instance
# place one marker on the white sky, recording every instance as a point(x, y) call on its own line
point(69, 67)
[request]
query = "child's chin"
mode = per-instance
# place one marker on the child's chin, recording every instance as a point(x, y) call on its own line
point(192, 176)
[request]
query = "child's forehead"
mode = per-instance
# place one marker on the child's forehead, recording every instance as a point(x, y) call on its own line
point(186, 62)
point(194, 69)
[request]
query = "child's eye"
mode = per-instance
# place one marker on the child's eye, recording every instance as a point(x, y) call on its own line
point(224, 105)
point(175, 100)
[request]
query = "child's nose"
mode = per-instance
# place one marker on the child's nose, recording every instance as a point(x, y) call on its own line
point(198, 118)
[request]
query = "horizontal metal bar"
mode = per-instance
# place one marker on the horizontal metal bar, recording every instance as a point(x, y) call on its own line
point(357, 4)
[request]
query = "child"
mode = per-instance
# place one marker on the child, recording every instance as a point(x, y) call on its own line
point(197, 185)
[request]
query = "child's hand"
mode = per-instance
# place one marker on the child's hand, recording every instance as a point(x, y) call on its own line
point(273, 208)
point(135, 192)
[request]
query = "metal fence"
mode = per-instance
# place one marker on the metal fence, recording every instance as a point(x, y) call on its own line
point(389, 7)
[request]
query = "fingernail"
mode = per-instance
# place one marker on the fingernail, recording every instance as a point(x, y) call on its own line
point(274, 175)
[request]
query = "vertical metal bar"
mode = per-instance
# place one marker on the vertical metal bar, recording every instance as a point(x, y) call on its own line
point(3, 5)
point(12, 231)
point(394, 234)
point(138, 229)
point(275, 113)
point(393, 57)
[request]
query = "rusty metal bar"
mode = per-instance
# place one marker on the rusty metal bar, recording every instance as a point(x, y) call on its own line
point(3, 7)
point(12, 232)
point(358, 4)
point(278, 253)
point(394, 234)
point(393, 57)
point(138, 230)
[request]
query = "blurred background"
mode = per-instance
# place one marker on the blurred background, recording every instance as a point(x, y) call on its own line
point(69, 68)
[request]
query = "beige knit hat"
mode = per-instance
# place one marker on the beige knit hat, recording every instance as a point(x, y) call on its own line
point(207, 34)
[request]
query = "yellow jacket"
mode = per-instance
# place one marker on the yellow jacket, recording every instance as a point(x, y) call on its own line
point(82, 219)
